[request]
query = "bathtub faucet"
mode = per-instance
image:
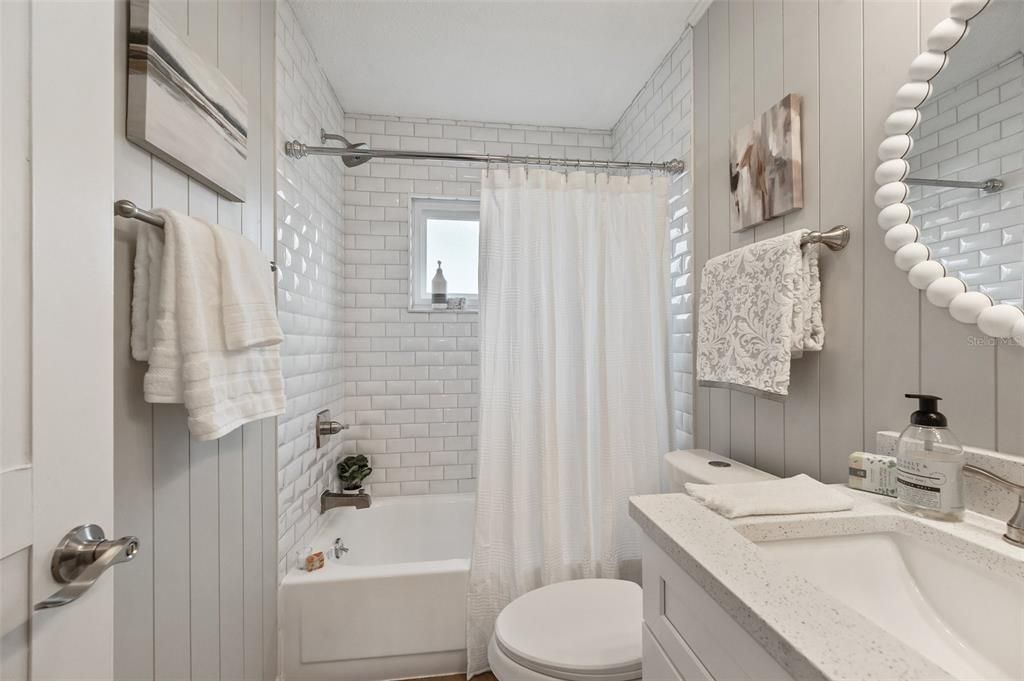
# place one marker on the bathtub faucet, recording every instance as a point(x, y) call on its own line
point(338, 549)
point(329, 500)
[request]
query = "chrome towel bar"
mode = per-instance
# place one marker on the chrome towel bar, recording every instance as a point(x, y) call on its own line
point(835, 239)
point(127, 209)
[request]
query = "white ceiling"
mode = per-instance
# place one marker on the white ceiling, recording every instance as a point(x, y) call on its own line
point(548, 62)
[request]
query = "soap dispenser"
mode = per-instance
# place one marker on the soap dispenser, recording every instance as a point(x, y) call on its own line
point(439, 290)
point(929, 465)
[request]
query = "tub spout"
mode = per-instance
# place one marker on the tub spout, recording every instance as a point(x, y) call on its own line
point(329, 500)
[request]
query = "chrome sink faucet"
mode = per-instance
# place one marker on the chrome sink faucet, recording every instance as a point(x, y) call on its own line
point(1015, 525)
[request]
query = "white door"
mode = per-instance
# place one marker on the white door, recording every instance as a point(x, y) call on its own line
point(56, 327)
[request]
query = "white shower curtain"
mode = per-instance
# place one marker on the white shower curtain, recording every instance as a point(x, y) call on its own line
point(574, 380)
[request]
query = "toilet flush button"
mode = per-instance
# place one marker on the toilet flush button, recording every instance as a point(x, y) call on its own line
point(719, 464)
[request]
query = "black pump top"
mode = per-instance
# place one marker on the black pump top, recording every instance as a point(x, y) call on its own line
point(927, 413)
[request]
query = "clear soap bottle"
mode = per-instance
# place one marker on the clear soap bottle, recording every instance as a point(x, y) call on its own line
point(439, 290)
point(929, 465)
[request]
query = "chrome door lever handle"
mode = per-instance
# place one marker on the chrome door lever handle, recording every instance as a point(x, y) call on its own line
point(80, 558)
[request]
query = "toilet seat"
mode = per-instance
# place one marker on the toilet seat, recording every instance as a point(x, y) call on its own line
point(580, 630)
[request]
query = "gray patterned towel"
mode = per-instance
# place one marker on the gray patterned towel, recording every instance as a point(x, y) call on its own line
point(760, 306)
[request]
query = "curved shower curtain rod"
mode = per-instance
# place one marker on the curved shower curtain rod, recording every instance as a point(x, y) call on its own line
point(353, 155)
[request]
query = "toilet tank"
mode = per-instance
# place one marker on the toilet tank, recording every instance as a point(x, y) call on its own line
point(700, 465)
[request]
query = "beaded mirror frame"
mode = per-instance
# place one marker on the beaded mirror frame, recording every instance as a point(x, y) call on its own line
point(895, 217)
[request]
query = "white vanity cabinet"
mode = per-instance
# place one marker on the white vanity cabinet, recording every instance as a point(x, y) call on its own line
point(688, 636)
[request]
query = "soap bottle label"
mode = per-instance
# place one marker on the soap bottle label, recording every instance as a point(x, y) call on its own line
point(929, 484)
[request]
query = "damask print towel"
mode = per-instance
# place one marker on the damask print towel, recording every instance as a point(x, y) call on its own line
point(760, 307)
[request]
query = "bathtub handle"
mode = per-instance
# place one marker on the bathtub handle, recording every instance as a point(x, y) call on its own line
point(339, 548)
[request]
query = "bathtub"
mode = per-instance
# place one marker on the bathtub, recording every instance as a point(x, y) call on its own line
point(394, 606)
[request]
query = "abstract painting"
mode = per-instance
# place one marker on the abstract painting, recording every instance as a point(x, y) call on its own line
point(766, 179)
point(182, 109)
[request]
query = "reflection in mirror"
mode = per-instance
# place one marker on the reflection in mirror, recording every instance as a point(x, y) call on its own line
point(972, 129)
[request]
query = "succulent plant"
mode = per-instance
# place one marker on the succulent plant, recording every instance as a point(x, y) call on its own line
point(352, 470)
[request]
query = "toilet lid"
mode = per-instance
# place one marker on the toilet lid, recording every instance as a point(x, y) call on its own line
point(585, 628)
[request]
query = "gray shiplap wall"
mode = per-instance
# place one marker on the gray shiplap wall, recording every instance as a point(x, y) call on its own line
point(200, 600)
point(846, 58)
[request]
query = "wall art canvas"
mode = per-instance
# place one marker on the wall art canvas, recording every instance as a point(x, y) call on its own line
point(181, 108)
point(766, 178)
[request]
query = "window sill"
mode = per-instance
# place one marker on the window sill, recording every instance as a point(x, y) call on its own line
point(428, 308)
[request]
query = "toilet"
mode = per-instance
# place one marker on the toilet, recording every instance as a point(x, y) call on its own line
point(590, 629)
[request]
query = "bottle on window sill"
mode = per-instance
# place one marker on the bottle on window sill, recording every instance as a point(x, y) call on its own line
point(439, 290)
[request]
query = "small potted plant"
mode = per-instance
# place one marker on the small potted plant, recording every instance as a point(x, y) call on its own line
point(352, 470)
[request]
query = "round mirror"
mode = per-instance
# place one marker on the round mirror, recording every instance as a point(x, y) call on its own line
point(951, 194)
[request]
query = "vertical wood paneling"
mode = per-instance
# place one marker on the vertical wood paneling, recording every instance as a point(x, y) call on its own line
point(800, 76)
point(768, 76)
point(250, 572)
point(133, 438)
point(1010, 399)
point(204, 477)
point(252, 541)
point(269, 576)
point(170, 544)
point(741, 112)
point(203, 23)
point(840, 126)
point(203, 604)
point(268, 428)
point(966, 386)
point(171, 508)
point(891, 307)
point(769, 415)
point(176, 13)
point(231, 500)
point(719, 130)
point(846, 58)
point(701, 206)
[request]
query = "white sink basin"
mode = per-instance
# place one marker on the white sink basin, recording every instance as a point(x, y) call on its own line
point(965, 618)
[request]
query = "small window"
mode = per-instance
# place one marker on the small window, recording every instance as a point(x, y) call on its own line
point(447, 230)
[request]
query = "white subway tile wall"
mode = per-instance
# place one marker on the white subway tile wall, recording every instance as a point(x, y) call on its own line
point(411, 378)
point(975, 132)
point(656, 126)
point(310, 279)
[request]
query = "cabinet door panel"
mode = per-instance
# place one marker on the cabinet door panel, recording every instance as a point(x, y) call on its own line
point(699, 638)
point(657, 666)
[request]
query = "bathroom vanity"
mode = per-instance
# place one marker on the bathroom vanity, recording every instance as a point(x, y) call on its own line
point(871, 593)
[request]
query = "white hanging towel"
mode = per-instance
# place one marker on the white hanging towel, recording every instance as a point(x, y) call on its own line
point(799, 494)
point(760, 306)
point(247, 293)
point(149, 255)
point(190, 360)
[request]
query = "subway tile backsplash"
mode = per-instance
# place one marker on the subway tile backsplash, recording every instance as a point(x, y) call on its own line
point(973, 132)
point(412, 378)
point(310, 286)
point(408, 382)
point(656, 126)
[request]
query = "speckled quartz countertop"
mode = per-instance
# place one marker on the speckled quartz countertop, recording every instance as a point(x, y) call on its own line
point(809, 633)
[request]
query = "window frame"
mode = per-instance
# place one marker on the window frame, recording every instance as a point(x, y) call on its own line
point(421, 209)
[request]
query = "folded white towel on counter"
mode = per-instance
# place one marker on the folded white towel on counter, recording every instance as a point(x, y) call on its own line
point(149, 255)
point(189, 359)
point(247, 293)
point(799, 494)
point(760, 306)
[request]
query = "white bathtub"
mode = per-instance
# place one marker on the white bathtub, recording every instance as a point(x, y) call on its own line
point(394, 606)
